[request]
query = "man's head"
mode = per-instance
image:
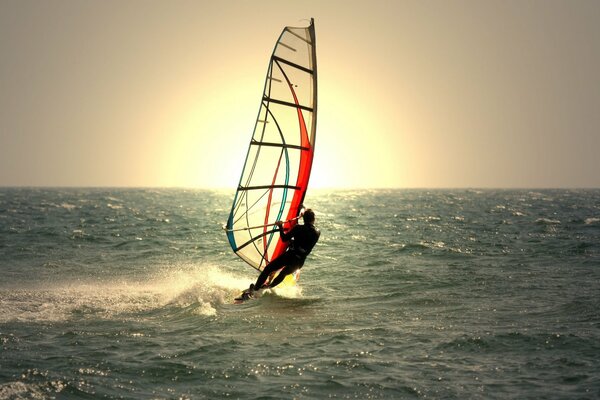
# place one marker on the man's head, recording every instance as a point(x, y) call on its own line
point(309, 216)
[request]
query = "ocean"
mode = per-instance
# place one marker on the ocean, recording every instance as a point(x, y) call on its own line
point(409, 294)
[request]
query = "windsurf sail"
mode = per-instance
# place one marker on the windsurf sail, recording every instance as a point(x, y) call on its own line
point(278, 163)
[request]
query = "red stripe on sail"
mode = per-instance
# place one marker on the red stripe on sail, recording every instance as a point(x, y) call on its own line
point(306, 158)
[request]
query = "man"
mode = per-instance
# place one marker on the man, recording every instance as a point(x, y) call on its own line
point(303, 238)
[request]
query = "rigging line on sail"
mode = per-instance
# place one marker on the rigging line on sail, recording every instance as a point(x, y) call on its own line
point(243, 190)
point(270, 198)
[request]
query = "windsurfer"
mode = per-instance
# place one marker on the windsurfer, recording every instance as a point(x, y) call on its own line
point(302, 239)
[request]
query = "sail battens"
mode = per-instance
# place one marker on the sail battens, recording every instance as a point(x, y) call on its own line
point(254, 239)
point(245, 188)
point(287, 103)
point(298, 36)
point(287, 46)
point(276, 171)
point(282, 145)
point(291, 64)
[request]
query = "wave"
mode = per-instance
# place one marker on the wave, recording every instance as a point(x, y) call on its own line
point(547, 221)
point(409, 247)
point(67, 206)
point(519, 341)
point(430, 247)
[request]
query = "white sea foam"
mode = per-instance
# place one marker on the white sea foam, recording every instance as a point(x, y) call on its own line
point(68, 206)
point(290, 292)
point(21, 390)
point(202, 288)
point(207, 286)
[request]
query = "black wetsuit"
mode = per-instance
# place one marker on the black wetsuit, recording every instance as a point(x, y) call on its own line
point(304, 237)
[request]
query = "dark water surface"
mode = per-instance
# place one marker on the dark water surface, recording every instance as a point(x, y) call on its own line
point(127, 293)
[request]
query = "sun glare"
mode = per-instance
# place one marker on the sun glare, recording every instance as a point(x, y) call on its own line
point(208, 135)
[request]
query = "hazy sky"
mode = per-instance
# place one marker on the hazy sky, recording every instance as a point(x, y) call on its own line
point(411, 93)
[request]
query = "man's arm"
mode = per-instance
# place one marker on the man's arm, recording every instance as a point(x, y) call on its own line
point(285, 236)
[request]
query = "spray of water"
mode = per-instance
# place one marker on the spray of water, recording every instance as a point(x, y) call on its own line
point(200, 288)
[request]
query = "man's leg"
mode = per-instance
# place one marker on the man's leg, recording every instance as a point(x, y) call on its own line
point(269, 269)
point(288, 269)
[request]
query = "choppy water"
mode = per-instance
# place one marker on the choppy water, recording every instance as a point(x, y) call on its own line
point(409, 294)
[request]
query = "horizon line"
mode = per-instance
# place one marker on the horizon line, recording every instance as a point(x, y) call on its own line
point(220, 188)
